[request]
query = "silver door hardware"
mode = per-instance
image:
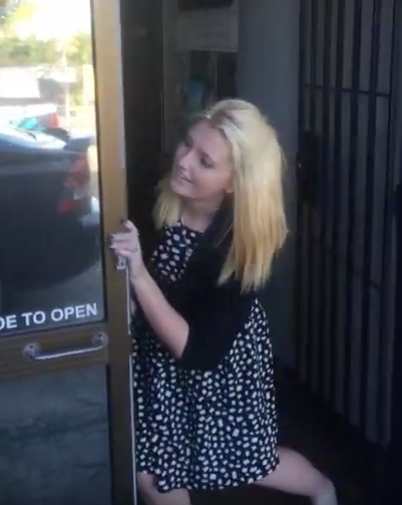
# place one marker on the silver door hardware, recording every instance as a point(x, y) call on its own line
point(33, 352)
point(120, 263)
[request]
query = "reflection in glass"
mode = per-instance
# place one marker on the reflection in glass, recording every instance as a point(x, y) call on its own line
point(50, 261)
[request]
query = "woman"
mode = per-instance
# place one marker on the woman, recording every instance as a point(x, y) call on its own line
point(203, 367)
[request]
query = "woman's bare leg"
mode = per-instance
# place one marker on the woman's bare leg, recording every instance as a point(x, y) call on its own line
point(151, 496)
point(296, 475)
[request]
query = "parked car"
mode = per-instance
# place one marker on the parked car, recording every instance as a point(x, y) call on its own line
point(22, 101)
point(28, 114)
point(49, 217)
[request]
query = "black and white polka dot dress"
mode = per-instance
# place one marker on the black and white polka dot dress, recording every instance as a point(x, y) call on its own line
point(203, 429)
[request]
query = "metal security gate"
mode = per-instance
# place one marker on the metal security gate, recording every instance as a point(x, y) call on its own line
point(347, 174)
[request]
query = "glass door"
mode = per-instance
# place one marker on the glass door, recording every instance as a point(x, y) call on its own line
point(65, 345)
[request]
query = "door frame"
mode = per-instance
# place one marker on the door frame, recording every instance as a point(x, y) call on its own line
point(110, 113)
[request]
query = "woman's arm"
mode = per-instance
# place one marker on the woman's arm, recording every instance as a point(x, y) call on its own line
point(170, 327)
point(202, 329)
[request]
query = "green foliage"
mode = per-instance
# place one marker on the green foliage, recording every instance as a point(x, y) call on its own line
point(14, 12)
point(33, 51)
point(79, 49)
point(15, 50)
point(30, 51)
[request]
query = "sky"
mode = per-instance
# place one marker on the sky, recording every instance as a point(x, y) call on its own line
point(59, 18)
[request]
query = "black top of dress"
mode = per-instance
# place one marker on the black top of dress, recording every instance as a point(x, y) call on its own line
point(215, 313)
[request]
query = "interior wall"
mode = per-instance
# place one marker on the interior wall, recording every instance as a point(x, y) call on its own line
point(199, 30)
point(265, 37)
point(268, 44)
point(210, 29)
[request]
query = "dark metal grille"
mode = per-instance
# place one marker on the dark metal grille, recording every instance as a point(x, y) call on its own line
point(349, 84)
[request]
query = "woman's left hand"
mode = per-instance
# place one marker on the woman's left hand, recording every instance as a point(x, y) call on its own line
point(127, 245)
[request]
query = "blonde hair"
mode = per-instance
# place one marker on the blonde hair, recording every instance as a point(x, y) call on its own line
point(259, 222)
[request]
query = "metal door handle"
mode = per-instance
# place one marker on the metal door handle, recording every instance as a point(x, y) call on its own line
point(32, 352)
point(120, 263)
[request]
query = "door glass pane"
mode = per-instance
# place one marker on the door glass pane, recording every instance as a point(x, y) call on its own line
point(54, 439)
point(50, 220)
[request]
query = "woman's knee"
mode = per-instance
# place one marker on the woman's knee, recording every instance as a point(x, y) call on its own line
point(295, 474)
point(146, 484)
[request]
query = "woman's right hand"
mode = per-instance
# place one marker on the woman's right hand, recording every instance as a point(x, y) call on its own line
point(127, 245)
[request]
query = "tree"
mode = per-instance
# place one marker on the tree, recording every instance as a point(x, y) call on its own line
point(6, 9)
point(30, 51)
point(15, 13)
point(79, 49)
point(24, 50)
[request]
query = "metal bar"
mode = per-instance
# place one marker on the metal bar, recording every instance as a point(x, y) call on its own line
point(300, 205)
point(379, 94)
point(369, 201)
point(333, 301)
point(389, 483)
point(325, 177)
point(389, 487)
point(385, 298)
point(342, 260)
point(313, 146)
point(33, 351)
point(393, 482)
point(351, 227)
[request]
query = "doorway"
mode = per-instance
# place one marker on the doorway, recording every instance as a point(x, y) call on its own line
point(65, 388)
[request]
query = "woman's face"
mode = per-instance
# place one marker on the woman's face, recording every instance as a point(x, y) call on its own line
point(202, 166)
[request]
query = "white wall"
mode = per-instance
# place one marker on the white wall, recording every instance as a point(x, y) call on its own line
point(268, 76)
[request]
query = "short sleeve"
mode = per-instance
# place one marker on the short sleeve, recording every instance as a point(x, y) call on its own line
point(214, 320)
